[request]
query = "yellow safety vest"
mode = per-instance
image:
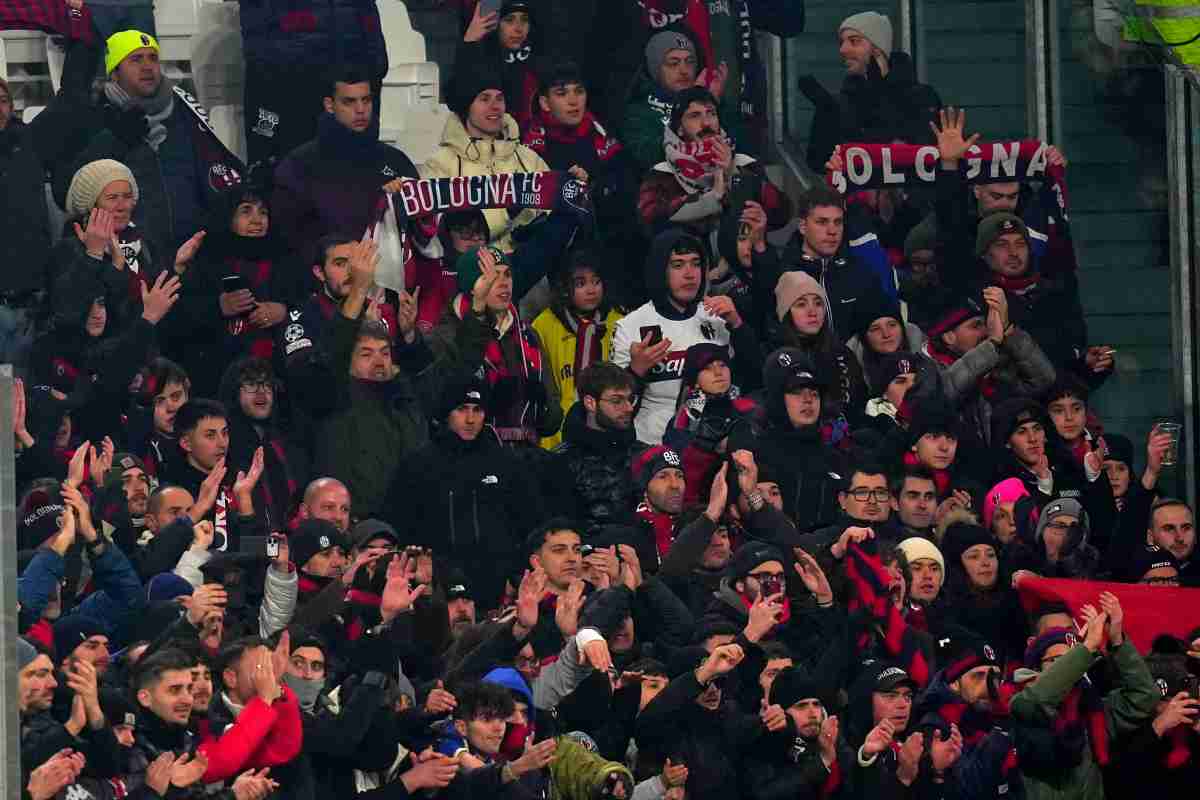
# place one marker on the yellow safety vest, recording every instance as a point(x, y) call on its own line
point(1169, 23)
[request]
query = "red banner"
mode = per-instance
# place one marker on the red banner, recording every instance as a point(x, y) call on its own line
point(1149, 611)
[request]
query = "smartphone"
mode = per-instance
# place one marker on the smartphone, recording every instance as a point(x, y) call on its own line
point(232, 283)
point(743, 188)
point(273, 545)
point(489, 7)
point(655, 332)
point(1193, 686)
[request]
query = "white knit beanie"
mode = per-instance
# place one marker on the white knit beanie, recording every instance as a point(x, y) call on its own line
point(873, 25)
point(916, 547)
point(90, 181)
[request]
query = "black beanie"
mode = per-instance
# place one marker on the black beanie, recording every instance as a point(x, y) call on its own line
point(462, 390)
point(1120, 448)
point(750, 555)
point(1011, 414)
point(961, 537)
point(313, 536)
point(472, 76)
point(37, 518)
point(961, 650)
point(793, 685)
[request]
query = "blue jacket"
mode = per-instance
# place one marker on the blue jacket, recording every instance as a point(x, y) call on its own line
point(118, 592)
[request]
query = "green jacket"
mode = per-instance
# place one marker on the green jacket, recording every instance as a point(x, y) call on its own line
point(648, 112)
point(1126, 708)
point(376, 424)
point(578, 774)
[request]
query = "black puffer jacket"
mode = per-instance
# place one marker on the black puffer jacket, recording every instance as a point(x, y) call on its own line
point(873, 108)
point(591, 473)
point(472, 502)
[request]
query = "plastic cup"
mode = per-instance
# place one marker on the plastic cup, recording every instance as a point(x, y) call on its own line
point(1171, 456)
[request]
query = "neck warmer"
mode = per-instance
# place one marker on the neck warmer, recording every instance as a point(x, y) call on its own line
point(306, 691)
point(546, 128)
point(1018, 286)
point(516, 739)
point(693, 164)
point(662, 525)
point(337, 140)
point(871, 601)
point(157, 108)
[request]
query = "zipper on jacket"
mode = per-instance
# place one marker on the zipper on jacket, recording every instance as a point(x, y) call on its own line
point(451, 519)
point(475, 517)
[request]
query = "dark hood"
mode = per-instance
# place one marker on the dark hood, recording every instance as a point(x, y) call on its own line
point(656, 273)
point(220, 241)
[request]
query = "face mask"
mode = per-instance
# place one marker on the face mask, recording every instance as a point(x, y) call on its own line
point(307, 690)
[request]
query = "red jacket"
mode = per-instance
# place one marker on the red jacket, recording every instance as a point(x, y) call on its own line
point(261, 736)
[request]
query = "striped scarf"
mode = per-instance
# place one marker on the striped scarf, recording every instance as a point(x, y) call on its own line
point(871, 599)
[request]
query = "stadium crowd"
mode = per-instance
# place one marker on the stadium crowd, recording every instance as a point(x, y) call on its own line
point(611, 497)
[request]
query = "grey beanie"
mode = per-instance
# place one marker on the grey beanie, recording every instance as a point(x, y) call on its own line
point(662, 43)
point(90, 181)
point(1064, 507)
point(26, 653)
point(873, 25)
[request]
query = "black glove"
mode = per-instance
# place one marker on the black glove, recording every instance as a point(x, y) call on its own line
point(130, 126)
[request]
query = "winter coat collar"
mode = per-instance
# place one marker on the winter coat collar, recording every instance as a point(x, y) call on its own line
point(456, 138)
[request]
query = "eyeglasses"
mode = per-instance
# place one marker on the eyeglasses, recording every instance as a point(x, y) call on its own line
point(862, 494)
point(258, 386)
point(621, 400)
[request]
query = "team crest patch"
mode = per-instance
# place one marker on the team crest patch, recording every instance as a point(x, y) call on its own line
point(989, 652)
point(268, 121)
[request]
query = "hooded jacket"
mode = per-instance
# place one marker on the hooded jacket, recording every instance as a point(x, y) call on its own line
point(459, 154)
point(870, 108)
point(685, 328)
point(285, 470)
point(472, 502)
point(332, 184)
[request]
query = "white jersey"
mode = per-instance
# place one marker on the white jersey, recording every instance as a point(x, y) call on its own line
point(661, 388)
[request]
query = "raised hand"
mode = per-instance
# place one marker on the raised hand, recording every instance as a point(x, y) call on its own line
point(722, 306)
point(481, 24)
point(188, 769)
point(158, 773)
point(159, 298)
point(909, 760)
point(266, 684)
point(187, 251)
point(1182, 709)
point(206, 599)
point(536, 757)
point(406, 314)
point(828, 739)
point(246, 481)
point(566, 611)
point(364, 261)
point(718, 495)
point(851, 534)
point(813, 576)
point(19, 409)
point(398, 596)
point(1094, 635)
point(630, 566)
point(880, 738)
point(440, 702)
point(489, 273)
point(773, 718)
point(98, 237)
point(951, 144)
point(74, 500)
point(251, 785)
point(529, 596)
point(282, 654)
point(60, 770)
point(945, 752)
point(644, 356)
point(1116, 618)
point(100, 463)
point(77, 465)
point(674, 774)
point(721, 661)
point(1100, 358)
point(763, 617)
